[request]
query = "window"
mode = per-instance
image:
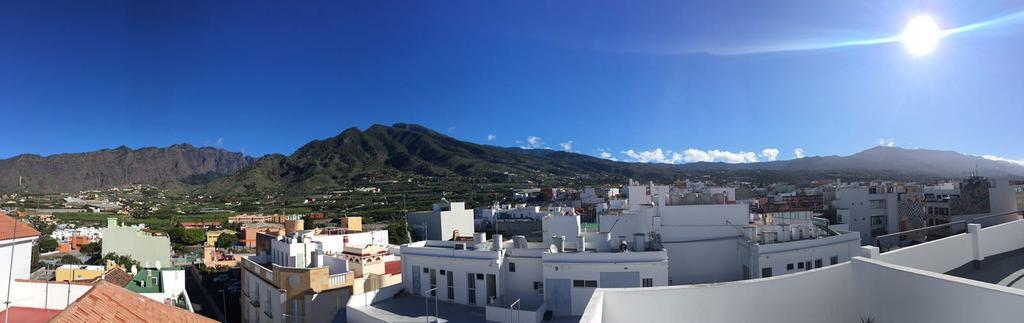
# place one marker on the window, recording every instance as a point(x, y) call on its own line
point(584, 283)
point(834, 260)
point(800, 265)
point(807, 265)
point(817, 263)
point(511, 267)
point(648, 282)
point(539, 287)
point(789, 266)
point(766, 272)
point(480, 276)
point(442, 272)
point(426, 270)
point(878, 204)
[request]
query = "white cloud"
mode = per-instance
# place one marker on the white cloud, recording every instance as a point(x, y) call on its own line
point(534, 142)
point(888, 142)
point(654, 156)
point(798, 152)
point(997, 158)
point(491, 137)
point(770, 153)
point(567, 146)
point(220, 142)
point(696, 155)
point(607, 155)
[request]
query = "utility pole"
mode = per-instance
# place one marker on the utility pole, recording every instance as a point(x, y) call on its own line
point(10, 270)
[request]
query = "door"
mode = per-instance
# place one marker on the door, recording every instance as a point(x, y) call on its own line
point(558, 295)
point(416, 277)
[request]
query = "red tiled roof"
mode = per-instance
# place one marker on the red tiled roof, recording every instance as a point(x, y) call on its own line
point(29, 314)
point(393, 267)
point(106, 302)
point(13, 229)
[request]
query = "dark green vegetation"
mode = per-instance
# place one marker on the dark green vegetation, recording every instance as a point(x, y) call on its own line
point(226, 240)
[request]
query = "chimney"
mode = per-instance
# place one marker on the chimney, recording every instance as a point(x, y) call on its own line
point(497, 242)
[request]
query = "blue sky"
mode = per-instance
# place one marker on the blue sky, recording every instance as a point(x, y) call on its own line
point(695, 80)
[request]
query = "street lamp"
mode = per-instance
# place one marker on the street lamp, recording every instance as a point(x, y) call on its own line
point(426, 303)
point(224, 305)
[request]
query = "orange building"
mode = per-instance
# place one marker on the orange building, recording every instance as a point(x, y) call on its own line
point(74, 243)
point(249, 232)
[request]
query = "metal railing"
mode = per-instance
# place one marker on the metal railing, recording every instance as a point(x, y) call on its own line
point(945, 229)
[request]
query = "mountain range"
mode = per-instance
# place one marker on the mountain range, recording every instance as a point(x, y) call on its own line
point(105, 168)
point(406, 150)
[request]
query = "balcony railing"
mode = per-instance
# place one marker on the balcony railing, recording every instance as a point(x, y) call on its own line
point(338, 280)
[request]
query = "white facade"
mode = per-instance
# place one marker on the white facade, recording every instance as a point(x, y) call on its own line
point(688, 232)
point(871, 211)
point(442, 222)
point(22, 256)
point(556, 275)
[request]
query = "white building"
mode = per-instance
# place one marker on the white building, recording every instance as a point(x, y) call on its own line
point(556, 276)
point(716, 234)
point(442, 223)
point(63, 234)
point(16, 239)
point(870, 210)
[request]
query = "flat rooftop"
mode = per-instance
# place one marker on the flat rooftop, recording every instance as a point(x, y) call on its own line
point(1002, 269)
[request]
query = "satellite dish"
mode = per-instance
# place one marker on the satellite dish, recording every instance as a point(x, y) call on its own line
point(553, 249)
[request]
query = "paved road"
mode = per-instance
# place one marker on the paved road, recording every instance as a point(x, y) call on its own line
point(198, 293)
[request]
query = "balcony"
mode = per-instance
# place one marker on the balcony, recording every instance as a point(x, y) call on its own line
point(340, 280)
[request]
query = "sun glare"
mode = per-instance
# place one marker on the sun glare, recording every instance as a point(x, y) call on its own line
point(921, 35)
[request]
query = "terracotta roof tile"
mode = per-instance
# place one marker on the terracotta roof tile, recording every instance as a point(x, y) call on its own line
point(106, 302)
point(118, 276)
point(12, 229)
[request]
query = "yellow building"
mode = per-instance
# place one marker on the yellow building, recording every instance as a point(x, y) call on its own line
point(211, 236)
point(79, 272)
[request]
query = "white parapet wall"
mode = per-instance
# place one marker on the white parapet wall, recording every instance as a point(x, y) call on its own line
point(905, 285)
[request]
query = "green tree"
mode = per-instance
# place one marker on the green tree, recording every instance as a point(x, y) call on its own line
point(397, 231)
point(226, 240)
point(70, 260)
point(47, 244)
point(192, 236)
point(123, 260)
point(35, 258)
point(90, 248)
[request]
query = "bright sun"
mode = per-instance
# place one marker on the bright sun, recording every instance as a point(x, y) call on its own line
point(921, 35)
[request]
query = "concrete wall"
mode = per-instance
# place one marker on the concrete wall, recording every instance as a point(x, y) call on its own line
point(506, 315)
point(824, 296)
point(47, 295)
point(132, 241)
point(891, 293)
point(937, 256)
point(22, 249)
